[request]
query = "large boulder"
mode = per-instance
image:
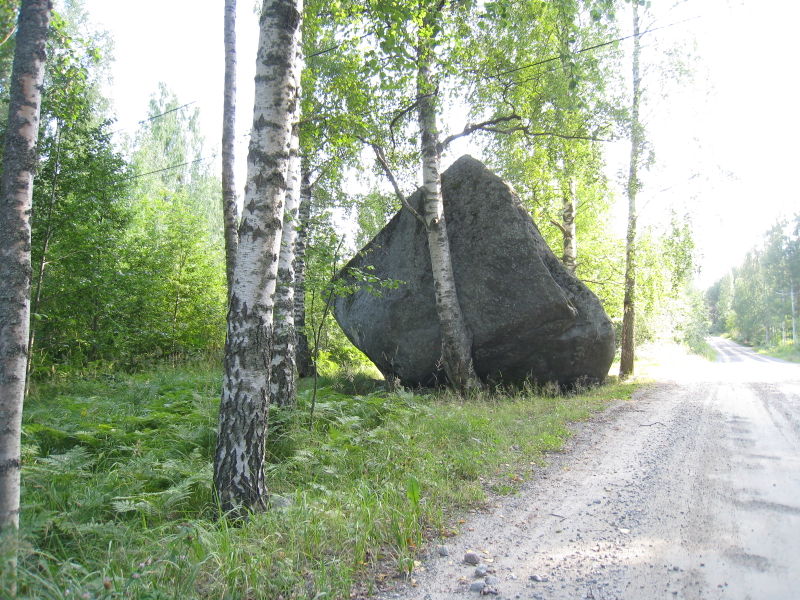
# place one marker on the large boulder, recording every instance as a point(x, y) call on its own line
point(529, 317)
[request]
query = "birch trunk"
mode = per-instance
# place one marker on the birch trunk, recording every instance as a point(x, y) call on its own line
point(239, 457)
point(569, 207)
point(628, 345)
point(16, 192)
point(230, 209)
point(305, 367)
point(456, 339)
point(283, 385)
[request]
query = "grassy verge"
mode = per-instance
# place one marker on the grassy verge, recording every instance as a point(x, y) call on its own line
point(784, 352)
point(702, 348)
point(117, 498)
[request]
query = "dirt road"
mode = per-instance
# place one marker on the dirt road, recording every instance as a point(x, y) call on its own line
point(690, 491)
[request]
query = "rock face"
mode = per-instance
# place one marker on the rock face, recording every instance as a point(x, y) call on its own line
point(529, 317)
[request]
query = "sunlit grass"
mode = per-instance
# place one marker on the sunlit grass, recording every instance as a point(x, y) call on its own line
point(788, 352)
point(117, 499)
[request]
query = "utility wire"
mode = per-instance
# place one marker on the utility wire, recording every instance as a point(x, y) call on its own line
point(171, 110)
point(154, 117)
point(590, 48)
point(326, 50)
point(171, 167)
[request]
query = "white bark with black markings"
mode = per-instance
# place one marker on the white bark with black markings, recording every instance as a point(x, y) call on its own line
point(283, 384)
point(568, 229)
point(239, 458)
point(16, 193)
point(456, 339)
point(230, 208)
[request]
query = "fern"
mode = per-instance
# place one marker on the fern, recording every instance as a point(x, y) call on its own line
point(130, 505)
point(74, 462)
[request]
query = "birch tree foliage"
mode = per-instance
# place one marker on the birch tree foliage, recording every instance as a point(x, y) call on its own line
point(555, 93)
point(549, 71)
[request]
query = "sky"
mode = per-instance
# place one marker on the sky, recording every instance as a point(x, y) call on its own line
point(180, 43)
point(724, 138)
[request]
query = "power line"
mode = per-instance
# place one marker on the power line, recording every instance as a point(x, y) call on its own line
point(154, 117)
point(590, 48)
point(171, 110)
point(171, 167)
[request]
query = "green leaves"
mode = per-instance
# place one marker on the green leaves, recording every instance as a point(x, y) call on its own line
point(757, 302)
point(413, 492)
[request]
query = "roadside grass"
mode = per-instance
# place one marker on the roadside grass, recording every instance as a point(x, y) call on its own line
point(784, 352)
point(118, 502)
point(702, 348)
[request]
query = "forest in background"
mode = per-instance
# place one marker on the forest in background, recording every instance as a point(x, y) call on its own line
point(128, 306)
point(756, 302)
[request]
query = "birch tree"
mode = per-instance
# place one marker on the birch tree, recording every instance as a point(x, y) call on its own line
point(283, 384)
point(405, 68)
point(239, 458)
point(480, 53)
point(16, 189)
point(230, 209)
point(555, 78)
point(334, 99)
point(302, 350)
point(456, 338)
point(628, 343)
point(569, 255)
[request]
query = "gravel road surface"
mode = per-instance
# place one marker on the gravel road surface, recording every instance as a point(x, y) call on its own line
point(692, 490)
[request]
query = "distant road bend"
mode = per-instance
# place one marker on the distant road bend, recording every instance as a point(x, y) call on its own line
point(691, 491)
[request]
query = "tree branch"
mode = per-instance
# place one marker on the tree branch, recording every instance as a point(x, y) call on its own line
point(407, 110)
point(559, 225)
point(483, 126)
point(8, 36)
point(526, 130)
point(603, 282)
point(384, 164)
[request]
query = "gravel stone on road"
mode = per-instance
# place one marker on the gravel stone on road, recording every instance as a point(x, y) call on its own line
point(691, 490)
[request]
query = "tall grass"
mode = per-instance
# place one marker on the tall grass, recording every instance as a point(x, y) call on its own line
point(117, 498)
point(786, 351)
